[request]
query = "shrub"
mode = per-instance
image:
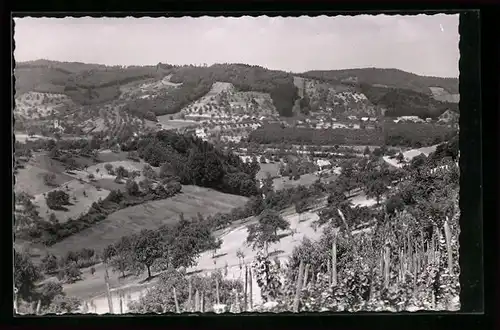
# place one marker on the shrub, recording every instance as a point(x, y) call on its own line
point(49, 179)
point(56, 199)
point(72, 273)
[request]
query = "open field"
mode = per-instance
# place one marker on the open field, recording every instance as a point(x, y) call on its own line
point(107, 156)
point(272, 168)
point(175, 124)
point(30, 180)
point(80, 206)
point(191, 201)
point(99, 171)
point(284, 183)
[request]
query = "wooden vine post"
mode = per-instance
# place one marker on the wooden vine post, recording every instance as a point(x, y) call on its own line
point(237, 302)
point(306, 273)
point(38, 306)
point(245, 299)
point(177, 309)
point(250, 282)
point(387, 263)
point(447, 233)
point(217, 297)
point(329, 270)
point(121, 302)
point(108, 291)
point(197, 301)
point(298, 288)
point(16, 300)
point(334, 260)
point(190, 295)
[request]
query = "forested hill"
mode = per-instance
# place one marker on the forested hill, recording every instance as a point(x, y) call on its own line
point(393, 78)
point(171, 88)
point(278, 84)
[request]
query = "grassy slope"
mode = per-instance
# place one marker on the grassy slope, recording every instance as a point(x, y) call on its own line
point(151, 215)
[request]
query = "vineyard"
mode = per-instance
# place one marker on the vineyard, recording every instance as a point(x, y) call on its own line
point(404, 262)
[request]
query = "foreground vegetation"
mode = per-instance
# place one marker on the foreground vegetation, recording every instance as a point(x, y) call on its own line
point(406, 260)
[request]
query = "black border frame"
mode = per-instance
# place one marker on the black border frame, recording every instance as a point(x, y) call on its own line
point(472, 70)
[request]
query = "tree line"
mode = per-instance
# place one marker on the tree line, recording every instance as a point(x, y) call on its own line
point(196, 162)
point(393, 134)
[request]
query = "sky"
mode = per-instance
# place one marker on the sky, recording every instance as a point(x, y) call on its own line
point(422, 44)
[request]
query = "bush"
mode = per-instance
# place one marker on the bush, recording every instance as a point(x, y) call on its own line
point(49, 179)
point(109, 168)
point(56, 199)
point(72, 273)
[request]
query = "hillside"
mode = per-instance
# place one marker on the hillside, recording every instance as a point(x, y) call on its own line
point(376, 92)
point(151, 215)
point(398, 102)
point(151, 91)
point(386, 78)
point(336, 99)
point(224, 101)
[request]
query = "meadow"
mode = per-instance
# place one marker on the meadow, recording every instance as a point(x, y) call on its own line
point(151, 215)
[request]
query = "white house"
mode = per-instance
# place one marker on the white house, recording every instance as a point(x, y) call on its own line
point(323, 164)
point(201, 133)
point(414, 119)
point(364, 118)
point(352, 117)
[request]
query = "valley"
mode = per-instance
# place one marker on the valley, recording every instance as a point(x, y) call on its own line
point(127, 175)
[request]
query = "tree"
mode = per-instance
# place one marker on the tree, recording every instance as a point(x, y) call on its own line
point(268, 184)
point(418, 161)
point(393, 204)
point(63, 304)
point(72, 273)
point(366, 152)
point(262, 159)
point(54, 152)
point(132, 187)
point(377, 152)
point(53, 218)
point(26, 274)
point(149, 172)
point(48, 292)
point(108, 168)
point(49, 264)
point(265, 232)
point(121, 172)
point(49, 179)
point(400, 157)
point(147, 248)
point(134, 155)
point(376, 188)
point(122, 261)
point(56, 199)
